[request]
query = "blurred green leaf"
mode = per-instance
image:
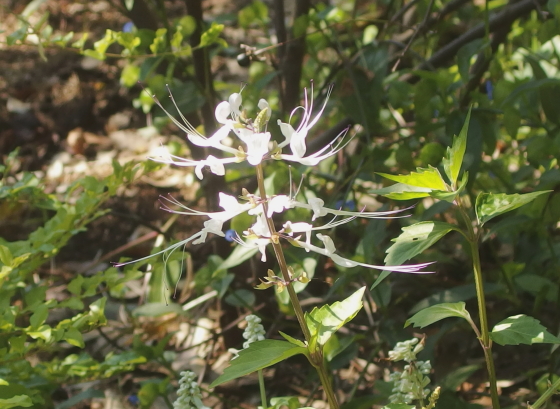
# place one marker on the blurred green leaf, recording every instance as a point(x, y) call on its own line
point(74, 337)
point(212, 36)
point(16, 401)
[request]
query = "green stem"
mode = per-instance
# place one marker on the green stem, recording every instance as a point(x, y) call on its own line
point(316, 358)
point(546, 396)
point(263, 390)
point(325, 380)
point(281, 259)
point(484, 336)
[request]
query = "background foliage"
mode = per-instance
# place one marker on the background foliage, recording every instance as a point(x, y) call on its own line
point(404, 74)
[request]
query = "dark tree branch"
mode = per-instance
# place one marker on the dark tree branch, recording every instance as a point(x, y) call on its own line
point(212, 184)
point(483, 62)
point(202, 66)
point(291, 65)
point(280, 27)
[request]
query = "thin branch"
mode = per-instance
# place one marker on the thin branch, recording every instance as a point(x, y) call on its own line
point(416, 32)
point(505, 17)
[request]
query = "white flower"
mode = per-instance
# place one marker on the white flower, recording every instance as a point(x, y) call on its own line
point(257, 145)
point(278, 204)
point(332, 148)
point(229, 203)
point(296, 138)
point(317, 206)
point(263, 104)
point(258, 236)
point(231, 208)
point(216, 165)
point(210, 226)
point(215, 141)
point(330, 250)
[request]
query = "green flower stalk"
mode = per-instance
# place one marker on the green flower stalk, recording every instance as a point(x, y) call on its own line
point(188, 395)
point(410, 384)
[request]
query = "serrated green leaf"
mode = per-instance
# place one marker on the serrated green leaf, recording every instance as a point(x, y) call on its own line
point(259, 355)
point(398, 406)
point(325, 321)
point(454, 157)
point(414, 240)
point(438, 312)
point(490, 205)
point(411, 242)
point(423, 177)
point(521, 329)
point(74, 337)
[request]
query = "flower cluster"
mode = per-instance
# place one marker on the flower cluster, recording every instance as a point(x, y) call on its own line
point(254, 331)
point(188, 395)
point(410, 384)
point(253, 135)
point(256, 145)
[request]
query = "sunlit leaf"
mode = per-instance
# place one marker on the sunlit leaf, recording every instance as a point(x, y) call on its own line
point(521, 329)
point(454, 157)
point(423, 177)
point(325, 321)
point(490, 205)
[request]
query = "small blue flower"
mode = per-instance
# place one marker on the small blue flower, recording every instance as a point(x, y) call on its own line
point(127, 28)
point(133, 399)
point(230, 235)
point(489, 90)
point(348, 205)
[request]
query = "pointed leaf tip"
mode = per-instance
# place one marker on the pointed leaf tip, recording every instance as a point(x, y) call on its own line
point(455, 153)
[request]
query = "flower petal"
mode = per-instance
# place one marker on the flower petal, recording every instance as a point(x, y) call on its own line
point(223, 110)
